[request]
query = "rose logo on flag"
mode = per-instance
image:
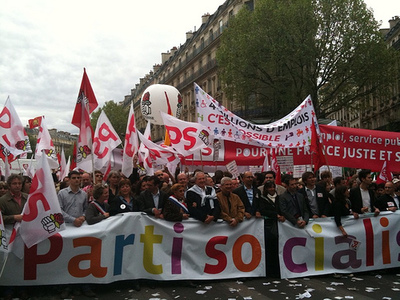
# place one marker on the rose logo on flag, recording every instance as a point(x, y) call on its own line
point(22, 145)
point(83, 152)
point(204, 136)
point(52, 222)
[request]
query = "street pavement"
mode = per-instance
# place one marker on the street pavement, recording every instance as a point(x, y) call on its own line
point(384, 284)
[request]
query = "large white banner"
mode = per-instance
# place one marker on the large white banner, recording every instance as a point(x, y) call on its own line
point(373, 243)
point(133, 246)
point(292, 131)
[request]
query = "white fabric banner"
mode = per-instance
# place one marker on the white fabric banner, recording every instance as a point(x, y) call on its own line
point(320, 248)
point(12, 134)
point(41, 216)
point(187, 137)
point(45, 145)
point(105, 140)
point(131, 145)
point(292, 131)
point(134, 245)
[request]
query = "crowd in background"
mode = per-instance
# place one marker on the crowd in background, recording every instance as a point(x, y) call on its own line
point(86, 197)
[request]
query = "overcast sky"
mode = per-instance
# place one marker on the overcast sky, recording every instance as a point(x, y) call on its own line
point(45, 44)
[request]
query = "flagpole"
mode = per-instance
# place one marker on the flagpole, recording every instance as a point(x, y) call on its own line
point(19, 166)
point(201, 159)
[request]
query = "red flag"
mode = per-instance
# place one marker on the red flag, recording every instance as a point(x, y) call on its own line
point(86, 94)
point(35, 122)
point(275, 167)
point(73, 160)
point(385, 175)
point(317, 155)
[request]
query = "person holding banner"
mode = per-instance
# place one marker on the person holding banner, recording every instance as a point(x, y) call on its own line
point(293, 204)
point(13, 202)
point(202, 200)
point(73, 200)
point(151, 201)
point(249, 195)
point(124, 202)
point(232, 208)
point(361, 197)
point(98, 208)
point(388, 201)
point(316, 196)
point(342, 207)
point(269, 209)
point(175, 208)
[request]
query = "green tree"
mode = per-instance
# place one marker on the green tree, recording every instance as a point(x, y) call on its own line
point(117, 114)
point(285, 50)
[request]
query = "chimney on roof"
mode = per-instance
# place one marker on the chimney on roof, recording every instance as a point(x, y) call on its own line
point(204, 18)
point(189, 35)
point(393, 21)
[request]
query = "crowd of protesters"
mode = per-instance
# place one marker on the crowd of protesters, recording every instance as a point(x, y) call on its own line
point(86, 197)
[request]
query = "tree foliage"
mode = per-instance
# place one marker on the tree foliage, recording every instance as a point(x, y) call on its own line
point(117, 114)
point(285, 50)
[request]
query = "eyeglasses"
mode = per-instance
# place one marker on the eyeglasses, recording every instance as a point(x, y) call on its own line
point(99, 175)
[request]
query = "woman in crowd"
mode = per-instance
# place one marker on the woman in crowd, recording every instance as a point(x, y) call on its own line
point(124, 201)
point(26, 184)
point(342, 207)
point(175, 208)
point(113, 180)
point(140, 186)
point(98, 208)
point(3, 188)
point(269, 209)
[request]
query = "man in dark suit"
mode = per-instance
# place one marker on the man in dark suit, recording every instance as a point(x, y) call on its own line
point(362, 199)
point(388, 201)
point(249, 195)
point(151, 201)
point(293, 205)
point(317, 197)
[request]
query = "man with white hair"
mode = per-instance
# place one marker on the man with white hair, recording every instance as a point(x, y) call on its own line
point(232, 208)
point(202, 200)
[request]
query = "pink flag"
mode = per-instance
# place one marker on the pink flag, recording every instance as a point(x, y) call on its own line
point(63, 166)
point(187, 137)
point(158, 154)
point(41, 216)
point(45, 146)
point(131, 144)
point(12, 134)
point(84, 149)
point(105, 141)
point(385, 175)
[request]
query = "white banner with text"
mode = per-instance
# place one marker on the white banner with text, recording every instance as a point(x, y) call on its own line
point(133, 245)
point(372, 243)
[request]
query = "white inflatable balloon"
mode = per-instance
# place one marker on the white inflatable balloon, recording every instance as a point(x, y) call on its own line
point(160, 97)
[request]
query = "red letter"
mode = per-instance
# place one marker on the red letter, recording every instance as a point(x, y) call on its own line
point(216, 254)
point(32, 259)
